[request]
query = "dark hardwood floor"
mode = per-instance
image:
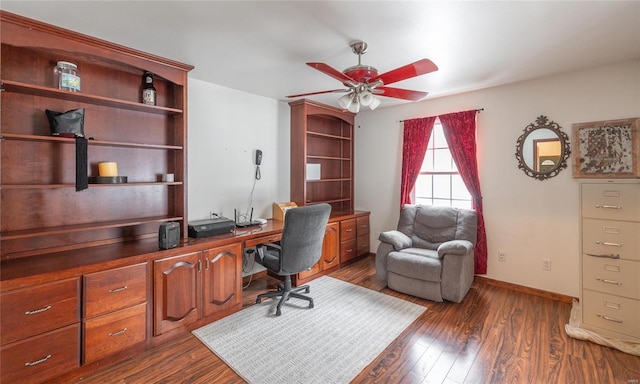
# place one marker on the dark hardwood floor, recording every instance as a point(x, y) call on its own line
point(498, 334)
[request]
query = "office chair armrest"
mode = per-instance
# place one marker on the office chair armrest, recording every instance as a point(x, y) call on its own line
point(261, 247)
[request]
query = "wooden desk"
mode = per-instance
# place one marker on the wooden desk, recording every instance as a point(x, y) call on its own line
point(165, 293)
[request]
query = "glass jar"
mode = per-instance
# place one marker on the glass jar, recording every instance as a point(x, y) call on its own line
point(67, 76)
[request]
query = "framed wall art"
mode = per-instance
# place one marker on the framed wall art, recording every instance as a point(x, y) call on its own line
point(607, 149)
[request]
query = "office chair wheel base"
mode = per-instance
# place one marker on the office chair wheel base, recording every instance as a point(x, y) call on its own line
point(278, 312)
point(258, 300)
point(307, 290)
point(310, 305)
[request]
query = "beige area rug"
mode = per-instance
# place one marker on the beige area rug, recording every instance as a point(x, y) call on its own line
point(573, 330)
point(330, 343)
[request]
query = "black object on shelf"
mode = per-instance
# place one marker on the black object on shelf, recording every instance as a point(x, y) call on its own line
point(107, 179)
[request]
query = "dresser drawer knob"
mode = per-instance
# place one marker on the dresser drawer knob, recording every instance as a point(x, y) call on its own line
point(612, 256)
point(608, 244)
point(608, 206)
point(120, 332)
point(32, 363)
point(609, 318)
point(36, 311)
point(116, 290)
point(609, 281)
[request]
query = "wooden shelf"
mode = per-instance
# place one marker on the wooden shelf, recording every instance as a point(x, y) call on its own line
point(329, 180)
point(66, 140)
point(310, 133)
point(12, 235)
point(328, 158)
point(56, 186)
point(37, 90)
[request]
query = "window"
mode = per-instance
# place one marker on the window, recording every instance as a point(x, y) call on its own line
point(439, 182)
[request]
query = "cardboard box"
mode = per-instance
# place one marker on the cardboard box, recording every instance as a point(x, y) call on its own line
point(280, 210)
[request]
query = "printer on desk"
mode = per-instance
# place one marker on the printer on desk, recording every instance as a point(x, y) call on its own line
point(211, 227)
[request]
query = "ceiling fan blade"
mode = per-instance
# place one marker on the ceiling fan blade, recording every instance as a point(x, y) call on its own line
point(408, 71)
point(401, 93)
point(328, 70)
point(320, 92)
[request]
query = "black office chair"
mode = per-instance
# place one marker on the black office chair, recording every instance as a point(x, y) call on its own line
point(300, 249)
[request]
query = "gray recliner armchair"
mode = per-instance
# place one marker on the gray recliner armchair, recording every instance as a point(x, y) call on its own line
point(430, 255)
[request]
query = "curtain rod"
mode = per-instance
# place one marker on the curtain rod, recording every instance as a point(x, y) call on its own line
point(477, 110)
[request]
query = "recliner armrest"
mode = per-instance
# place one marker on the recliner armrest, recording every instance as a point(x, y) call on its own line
point(455, 247)
point(396, 238)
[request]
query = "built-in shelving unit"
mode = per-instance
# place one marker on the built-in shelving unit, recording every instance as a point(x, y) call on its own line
point(322, 137)
point(41, 212)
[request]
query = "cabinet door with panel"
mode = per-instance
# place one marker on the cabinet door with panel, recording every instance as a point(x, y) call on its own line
point(175, 292)
point(222, 284)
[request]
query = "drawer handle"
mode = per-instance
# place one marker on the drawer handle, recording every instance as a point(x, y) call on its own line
point(612, 256)
point(608, 244)
point(349, 250)
point(608, 206)
point(120, 332)
point(609, 318)
point(364, 226)
point(609, 281)
point(116, 290)
point(36, 311)
point(349, 229)
point(32, 363)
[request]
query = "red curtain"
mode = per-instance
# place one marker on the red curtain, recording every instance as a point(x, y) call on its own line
point(460, 131)
point(414, 146)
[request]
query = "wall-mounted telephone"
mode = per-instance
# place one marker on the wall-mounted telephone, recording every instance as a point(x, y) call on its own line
point(258, 157)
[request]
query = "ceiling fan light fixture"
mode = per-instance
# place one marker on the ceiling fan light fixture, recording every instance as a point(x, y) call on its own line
point(366, 98)
point(345, 100)
point(374, 103)
point(355, 105)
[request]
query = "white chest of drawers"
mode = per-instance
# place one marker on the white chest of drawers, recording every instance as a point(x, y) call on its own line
point(610, 260)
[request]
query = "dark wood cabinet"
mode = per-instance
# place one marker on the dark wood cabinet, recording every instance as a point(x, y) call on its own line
point(322, 155)
point(197, 285)
point(40, 331)
point(115, 310)
point(176, 295)
point(41, 210)
point(222, 283)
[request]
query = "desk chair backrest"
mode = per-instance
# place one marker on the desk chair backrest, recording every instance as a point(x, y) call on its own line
point(302, 237)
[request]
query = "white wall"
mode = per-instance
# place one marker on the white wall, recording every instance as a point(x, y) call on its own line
point(225, 128)
point(527, 219)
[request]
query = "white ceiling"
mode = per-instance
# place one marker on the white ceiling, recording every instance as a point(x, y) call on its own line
point(261, 46)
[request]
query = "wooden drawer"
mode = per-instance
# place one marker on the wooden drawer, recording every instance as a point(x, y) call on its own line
point(362, 245)
point(34, 310)
point(606, 237)
point(111, 333)
point(611, 201)
point(617, 277)
point(114, 289)
point(347, 229)
point(348, 250)
point(362, 225)
point(42, 357)
point(614, 313)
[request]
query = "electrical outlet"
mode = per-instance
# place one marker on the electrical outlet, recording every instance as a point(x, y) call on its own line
point(502, 257)
point(546, 264)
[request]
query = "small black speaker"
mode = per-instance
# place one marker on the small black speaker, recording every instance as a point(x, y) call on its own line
point(169, 235)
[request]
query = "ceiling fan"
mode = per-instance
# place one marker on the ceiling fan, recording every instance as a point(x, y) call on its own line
point(363, 81)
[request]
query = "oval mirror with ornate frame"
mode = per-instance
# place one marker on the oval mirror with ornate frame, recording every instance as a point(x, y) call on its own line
point(543, 149)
